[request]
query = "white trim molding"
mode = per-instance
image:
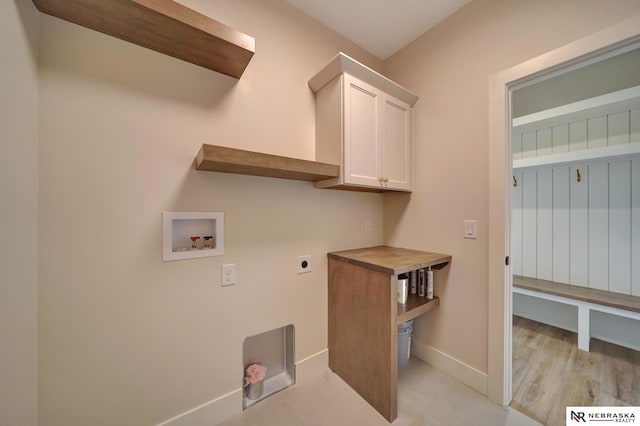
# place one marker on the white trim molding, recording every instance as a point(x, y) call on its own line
point(574, 55)
point(312, 366)
point(211, 412)
point(227, 405)
point(455, 368)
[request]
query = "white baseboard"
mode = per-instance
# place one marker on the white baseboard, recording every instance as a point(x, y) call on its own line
point(209, 413)
point(457, 369)
point(227, 405)
point(312, 366)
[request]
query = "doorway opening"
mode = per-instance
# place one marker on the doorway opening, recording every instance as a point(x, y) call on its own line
point(575, 235)
point(608, 43)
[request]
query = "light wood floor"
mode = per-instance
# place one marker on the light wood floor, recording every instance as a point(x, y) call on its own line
point(550, 373)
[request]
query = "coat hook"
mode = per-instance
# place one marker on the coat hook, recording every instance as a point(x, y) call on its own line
point(578, 177)
point(515, 181)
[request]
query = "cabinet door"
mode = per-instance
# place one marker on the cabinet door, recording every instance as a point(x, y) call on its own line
point(396, 145)
point(362, 127)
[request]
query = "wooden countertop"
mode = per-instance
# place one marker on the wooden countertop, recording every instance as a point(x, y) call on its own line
point(391, 260)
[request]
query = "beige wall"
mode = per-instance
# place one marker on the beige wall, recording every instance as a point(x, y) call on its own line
point(126, 339)
point(449, 68)
point(18, 212)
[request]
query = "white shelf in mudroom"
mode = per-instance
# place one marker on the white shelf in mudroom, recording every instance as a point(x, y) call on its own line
point(565, 158)
point(605, 104)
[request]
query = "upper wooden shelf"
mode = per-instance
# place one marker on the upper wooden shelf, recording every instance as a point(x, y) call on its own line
point(164, 26)
point(392, 260)
point(230, 160)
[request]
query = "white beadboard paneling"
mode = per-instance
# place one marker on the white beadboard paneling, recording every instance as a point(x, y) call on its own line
point(619, 128)
point(529, 215)
point(597, 132)
point(561, 177)
point(578, 135)
point(529, 144)
point(560, 138)
point(543, 142)
point(579, 227)
point(598, 226)
point(544, 225)
point(516, 225)
point(516, 146)
point(635, 227)
point(620, 226)
point(635, 125)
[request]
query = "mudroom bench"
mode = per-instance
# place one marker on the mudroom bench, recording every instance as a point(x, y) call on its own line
point(585, 299)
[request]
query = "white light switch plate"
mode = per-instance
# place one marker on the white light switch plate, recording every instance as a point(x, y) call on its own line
point(471, 229)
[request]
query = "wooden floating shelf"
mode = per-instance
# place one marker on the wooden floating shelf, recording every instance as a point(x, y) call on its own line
point(230, 160)
point(164, 26)
point(415, 306)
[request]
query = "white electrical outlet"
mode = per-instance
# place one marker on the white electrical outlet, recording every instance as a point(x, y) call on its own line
point(304, 264)
point(228, 274)
point(367, 225)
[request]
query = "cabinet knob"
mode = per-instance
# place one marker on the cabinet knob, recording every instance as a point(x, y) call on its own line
point(385, 180)
point(380, 179)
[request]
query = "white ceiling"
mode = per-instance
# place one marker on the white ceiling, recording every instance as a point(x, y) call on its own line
point(382, 27)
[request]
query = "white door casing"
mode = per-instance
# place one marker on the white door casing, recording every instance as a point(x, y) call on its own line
point(620, 37)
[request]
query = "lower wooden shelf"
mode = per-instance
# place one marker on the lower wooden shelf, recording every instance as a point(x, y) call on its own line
point(215, 158)
point(415, 306)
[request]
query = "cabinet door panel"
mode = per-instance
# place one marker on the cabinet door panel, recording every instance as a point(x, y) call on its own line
point(396, 148)
point(361, 133)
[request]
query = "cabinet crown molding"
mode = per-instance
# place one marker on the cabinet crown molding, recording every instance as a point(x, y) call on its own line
point(342, 63)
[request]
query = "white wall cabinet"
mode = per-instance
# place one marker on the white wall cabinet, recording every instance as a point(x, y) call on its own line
point(363, 122)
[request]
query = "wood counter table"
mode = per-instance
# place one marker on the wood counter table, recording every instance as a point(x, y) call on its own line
point(364, 317)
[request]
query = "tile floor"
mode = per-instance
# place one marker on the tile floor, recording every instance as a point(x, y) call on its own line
point(426, 396)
